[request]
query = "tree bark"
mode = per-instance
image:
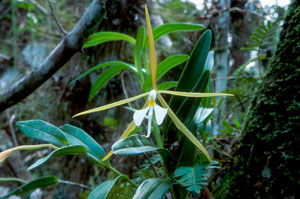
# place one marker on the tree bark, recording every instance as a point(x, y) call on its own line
point(266, 162)
point(71, 44)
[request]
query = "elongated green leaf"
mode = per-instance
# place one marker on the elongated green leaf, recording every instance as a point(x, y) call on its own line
point(152, 188)
point(209, 63)
point(250, 49)
point(193, 177)
point(102, 191)
point(256, 39)
point(263, 27)
point(42, 130)
point(193, 79)
point(66, 150)
point(167, 85)
point(256, 34)
point(164, 66)
point(228, 128)
point(195, 66)
point(103, 78)
point(99, 66)
point(138, 51)
point(25, 5)
point(35, 184)
point(261, 32)
point(77, 136)
point(202, 114)
point(167, 28)
point(251, 44)
point(102, 37)
point(135, 144)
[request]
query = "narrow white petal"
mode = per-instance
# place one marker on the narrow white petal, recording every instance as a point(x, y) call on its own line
point(139, 115)
point(149, 121)
point(160, 113)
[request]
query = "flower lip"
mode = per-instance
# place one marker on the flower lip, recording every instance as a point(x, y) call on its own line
point(151, 103)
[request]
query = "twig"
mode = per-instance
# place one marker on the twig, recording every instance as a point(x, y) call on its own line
point(240, 102)
point(70, 44)
point(75, 184)
point(119, 173)
point(5, 57)
point(12, 129)
point(39, 6)
point(154, 169)
point(124, 88)
point(56, 20)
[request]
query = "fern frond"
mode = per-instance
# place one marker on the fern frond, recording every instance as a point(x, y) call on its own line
point(260, 35)
point(194, 178)
point(122, 190)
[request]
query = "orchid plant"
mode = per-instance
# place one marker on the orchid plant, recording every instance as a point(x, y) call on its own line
point(68, 139)
point(150, 105)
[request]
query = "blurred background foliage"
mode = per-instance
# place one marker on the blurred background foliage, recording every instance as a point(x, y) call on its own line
point(29, 32)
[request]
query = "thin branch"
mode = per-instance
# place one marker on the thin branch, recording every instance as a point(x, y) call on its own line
point(153, 167)
point(56, 20)
point(39, 6)
point(11, 120)
point(124, 88)
point(75, 184)
point(63, 52)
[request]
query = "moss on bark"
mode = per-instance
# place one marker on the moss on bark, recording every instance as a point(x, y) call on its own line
point(267, 161)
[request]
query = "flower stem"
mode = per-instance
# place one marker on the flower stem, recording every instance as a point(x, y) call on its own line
point(12, 179)
point(119, 173)
point(157, 136)
point(115, 171)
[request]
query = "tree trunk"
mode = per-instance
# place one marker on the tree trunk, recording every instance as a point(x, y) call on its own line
point(266, 164)
point(221, 58)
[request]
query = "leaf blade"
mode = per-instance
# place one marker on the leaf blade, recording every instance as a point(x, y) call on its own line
point(167, 85)
point(164, 66)
point(67, 150)
point(138, 51)
point(102, 190)
point(34, 184)
point(152, 188)
point(103, 78)
point(99, 66)
point(167, 28)
point(132, 145)
point(102, 37)
point(80, 137)
point(41, 130)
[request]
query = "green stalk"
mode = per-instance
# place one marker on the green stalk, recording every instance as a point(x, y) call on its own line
point(112, 169)
point(119, 173)
point(157, 136)
point(12, 180)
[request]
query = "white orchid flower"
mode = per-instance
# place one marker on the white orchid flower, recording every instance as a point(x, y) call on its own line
point(159, 112)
